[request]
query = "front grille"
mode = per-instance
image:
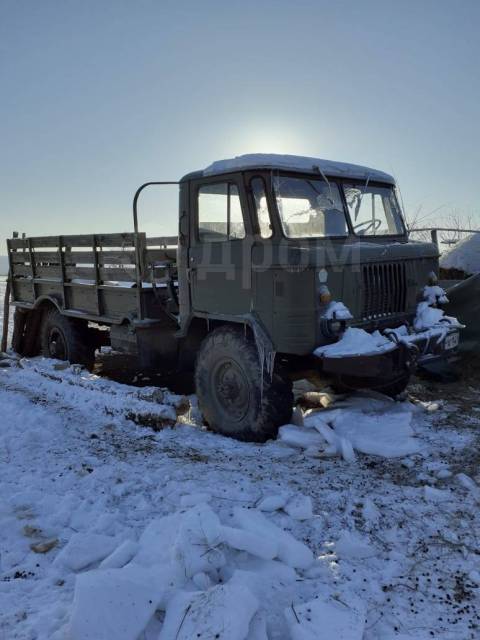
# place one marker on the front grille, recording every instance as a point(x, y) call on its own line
point(384, 289)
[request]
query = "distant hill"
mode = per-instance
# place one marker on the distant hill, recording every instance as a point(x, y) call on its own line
point(3, 265)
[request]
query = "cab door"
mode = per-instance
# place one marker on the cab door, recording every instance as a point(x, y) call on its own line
point(219, 264)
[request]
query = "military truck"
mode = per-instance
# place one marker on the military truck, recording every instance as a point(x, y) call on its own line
point(267, 246)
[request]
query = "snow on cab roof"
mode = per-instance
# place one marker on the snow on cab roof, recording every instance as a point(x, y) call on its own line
point(297, 163)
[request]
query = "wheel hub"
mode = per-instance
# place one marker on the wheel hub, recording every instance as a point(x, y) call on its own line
point(231, 390)
point(56, 345)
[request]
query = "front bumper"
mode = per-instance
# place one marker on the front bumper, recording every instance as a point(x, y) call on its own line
point(407, 352)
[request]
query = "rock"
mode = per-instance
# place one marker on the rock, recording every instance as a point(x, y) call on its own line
point(61, 366)
point(315, 399)
point(273, 502)
point(299, 507)
point(44, 547)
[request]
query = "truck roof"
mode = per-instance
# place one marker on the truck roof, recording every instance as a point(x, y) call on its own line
point(301, 164)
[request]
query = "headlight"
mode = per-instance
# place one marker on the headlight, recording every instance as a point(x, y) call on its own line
point(332, 328)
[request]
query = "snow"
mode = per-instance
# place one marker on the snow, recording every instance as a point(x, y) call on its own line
point(329, 168)
point(434, 295)
point(171, 533)
point(338, 311)
point(463, 256)
point(429, 322)
point(429, 317)
point(351, 545)
point(356, 342)
point(319, 620)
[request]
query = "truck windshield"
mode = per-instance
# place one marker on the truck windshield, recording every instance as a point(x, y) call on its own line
point(309, 208)
point(374, 211)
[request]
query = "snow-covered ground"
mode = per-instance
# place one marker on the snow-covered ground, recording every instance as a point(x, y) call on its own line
point(122, 518)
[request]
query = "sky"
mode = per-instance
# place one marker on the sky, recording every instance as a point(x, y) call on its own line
point(99, 96)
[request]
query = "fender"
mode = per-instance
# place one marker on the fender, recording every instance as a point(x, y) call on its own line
point(55, 300)
point(265, 347)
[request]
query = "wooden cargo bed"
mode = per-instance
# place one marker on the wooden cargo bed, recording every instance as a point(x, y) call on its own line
point(103, 277)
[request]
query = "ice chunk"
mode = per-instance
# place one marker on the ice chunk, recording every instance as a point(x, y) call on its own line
point(469, 484)
point(157, 541)
point(370, 511)
point(300, 436)
point(122, 554)
point(242, 540)
point(299, 507)
point(222, 612)
point(291, 551)
point(385, 431)
point(262, 576)
point(202, 581)
point(330, 620)
point(198, 539)
point(475, 577)
point(351, 545)
point(337, 444)
point(114, 603)
point(84, 549)
point(272, 503)
point(436, 495)
point(258, 627)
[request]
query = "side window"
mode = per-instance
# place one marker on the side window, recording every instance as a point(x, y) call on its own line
point(220, 216)
point(261, 207)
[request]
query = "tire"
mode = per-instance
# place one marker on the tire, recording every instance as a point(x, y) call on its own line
point(25, 337)
point(231, 396)
point(346, 384)
point(19, 318)
point(65, 338)
point(394, 389)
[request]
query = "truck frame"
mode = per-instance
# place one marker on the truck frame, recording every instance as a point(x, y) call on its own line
point(243, 295)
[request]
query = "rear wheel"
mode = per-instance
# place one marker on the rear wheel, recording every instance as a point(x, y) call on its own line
point(65, 338)
point(237, 397)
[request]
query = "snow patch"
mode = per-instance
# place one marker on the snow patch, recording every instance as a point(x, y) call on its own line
point(331, 620)
point(298, 163)
point(356, 342)
point(464, 256)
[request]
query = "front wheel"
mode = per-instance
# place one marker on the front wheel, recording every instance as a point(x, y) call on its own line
point(237, 396)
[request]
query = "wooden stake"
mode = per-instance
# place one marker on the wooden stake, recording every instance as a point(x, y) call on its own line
point(6, 313)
